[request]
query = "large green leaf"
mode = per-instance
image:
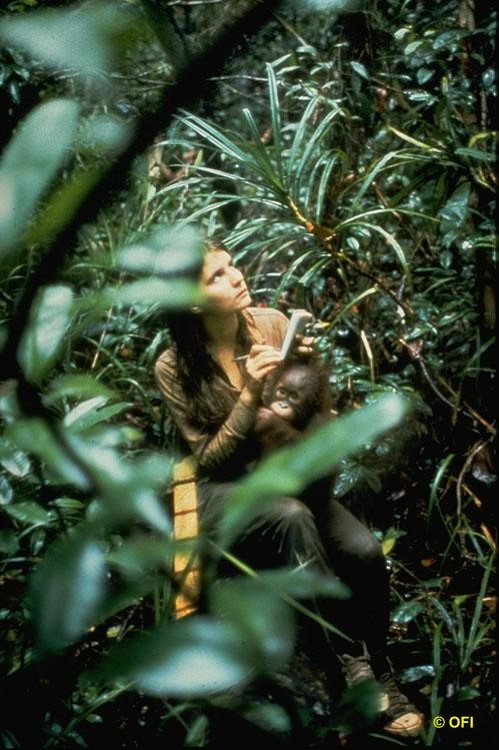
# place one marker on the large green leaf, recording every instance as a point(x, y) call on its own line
point(194, 657)
point(131, 488)
point(103, 137)
point(82, 38)
point(49, 320)
point(164, 252)
point(289, 471)
point(253, 632)
point(128, 501)
point(66, 590)
point(30, 162)
point(147, 293)
point(262, 618)
point(142, 556)
point(61, 205)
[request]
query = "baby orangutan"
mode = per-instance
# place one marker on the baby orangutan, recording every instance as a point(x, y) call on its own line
point(295, 399)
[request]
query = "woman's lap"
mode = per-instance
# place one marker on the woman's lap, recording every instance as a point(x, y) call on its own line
point(324, 533)
point(328, 531)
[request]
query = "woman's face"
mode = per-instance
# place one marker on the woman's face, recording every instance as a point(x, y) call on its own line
point(223, 285)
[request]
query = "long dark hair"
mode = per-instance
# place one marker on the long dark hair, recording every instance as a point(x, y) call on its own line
point(198, 371)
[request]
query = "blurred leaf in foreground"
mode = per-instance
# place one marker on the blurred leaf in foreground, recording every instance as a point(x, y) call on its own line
point(358, 707)
point(168, 251)
point(102, 138)
point(49, 320)
point(66, 590)
point(289, 471)
point(6, 491)
point(151, 292)
point(320, 6)
point(193, 657)
point(85, 37)
point(30, 162)
point(82, 386)
point(251, 632)
point(261, 617)
point(34, 436)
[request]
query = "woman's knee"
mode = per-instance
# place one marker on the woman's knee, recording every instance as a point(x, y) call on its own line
point(364, 547)
point(369, 549)
point(351, 538)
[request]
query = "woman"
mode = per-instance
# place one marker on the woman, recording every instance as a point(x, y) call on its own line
point(213, 396)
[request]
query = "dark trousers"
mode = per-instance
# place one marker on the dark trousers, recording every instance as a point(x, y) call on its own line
point(322, 532)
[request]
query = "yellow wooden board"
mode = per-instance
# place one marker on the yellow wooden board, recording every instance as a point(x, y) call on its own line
point(185, 526)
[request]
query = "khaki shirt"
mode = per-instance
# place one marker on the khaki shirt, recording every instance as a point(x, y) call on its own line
point(213, 451)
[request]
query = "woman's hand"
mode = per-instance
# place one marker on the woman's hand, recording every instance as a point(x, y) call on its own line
point(262, 360)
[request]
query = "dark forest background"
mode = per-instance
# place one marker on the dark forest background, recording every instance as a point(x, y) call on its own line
point(345, 152)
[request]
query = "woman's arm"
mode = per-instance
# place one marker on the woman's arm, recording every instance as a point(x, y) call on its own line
point(268, 326)
point(213, 451)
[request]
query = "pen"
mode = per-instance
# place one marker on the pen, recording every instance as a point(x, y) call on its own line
point(240, 359)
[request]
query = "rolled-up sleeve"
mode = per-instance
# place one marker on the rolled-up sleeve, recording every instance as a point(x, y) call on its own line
point(211, 451)
point(214, 451)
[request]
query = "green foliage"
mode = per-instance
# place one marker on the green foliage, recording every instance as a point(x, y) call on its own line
point(84, 39)
point(67, 590)
point(355, 179)
point(30, 162)
point(348, 719)
point(50, 320)
point(290, 471)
